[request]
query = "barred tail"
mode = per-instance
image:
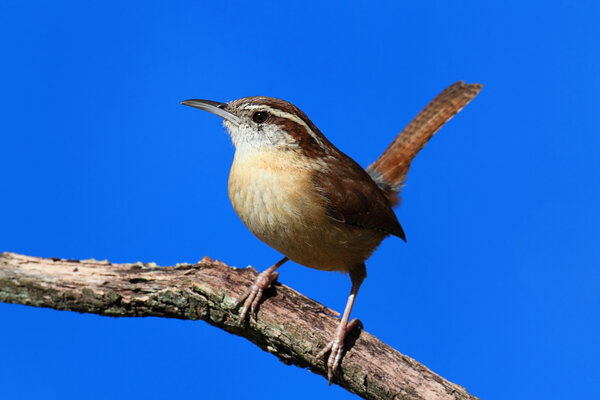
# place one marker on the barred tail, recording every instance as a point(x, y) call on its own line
point(390, 169)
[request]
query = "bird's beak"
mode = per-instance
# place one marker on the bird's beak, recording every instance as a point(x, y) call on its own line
point(214, 107)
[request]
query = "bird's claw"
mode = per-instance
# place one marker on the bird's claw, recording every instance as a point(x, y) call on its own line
point(336, 348)
point(252, 296)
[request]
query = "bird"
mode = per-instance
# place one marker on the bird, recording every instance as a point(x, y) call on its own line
point(302, 196)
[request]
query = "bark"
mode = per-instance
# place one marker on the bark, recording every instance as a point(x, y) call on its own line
point(289, 325)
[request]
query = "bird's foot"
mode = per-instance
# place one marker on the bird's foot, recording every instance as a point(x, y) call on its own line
point(336, 347)
point(252, 296)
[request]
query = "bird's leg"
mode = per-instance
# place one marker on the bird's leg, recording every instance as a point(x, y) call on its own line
point(253, 295)
point(336, 346)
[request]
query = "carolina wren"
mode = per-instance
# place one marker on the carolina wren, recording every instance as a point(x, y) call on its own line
point(305, 198)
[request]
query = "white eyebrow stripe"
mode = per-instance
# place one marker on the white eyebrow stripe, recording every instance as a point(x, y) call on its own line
point(284, 114)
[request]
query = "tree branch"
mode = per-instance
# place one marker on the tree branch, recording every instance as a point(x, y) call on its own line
point(291, 326)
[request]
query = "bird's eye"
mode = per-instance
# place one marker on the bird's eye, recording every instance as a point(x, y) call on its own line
point(260, 116)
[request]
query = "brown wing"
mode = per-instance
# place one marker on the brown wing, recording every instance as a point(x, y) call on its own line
point(353, 198)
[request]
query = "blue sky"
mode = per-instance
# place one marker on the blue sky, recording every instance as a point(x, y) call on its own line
point(497, 288)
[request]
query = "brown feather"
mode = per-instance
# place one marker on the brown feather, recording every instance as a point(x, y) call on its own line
point(353, 198)
point(390, 169)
